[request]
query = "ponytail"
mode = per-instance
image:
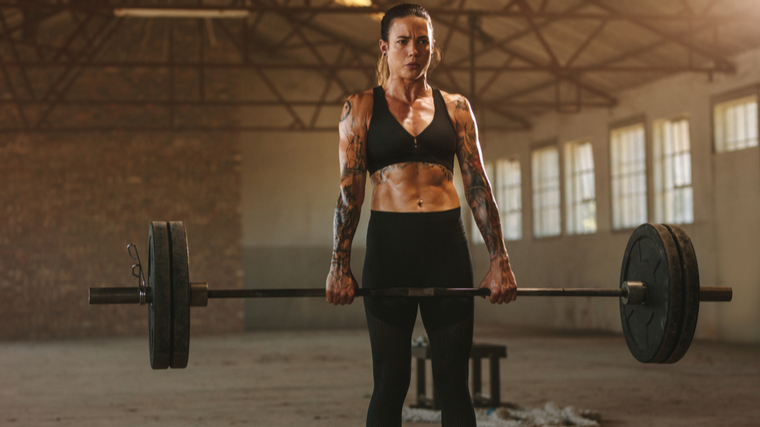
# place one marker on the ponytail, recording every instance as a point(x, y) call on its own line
point(382, 71)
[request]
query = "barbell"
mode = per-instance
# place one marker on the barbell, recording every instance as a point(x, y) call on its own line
point(659, 293)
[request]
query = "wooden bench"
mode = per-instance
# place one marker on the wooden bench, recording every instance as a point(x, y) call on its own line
point(493, 352)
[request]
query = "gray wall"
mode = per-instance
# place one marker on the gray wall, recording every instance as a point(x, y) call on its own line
point(290, 184)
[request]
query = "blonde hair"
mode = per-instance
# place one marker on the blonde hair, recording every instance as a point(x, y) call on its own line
point(382, 71)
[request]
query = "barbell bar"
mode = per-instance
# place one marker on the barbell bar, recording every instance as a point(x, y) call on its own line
point(659, 293)
point(131, 294)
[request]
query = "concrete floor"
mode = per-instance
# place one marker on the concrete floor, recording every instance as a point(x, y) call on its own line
point(324, 379)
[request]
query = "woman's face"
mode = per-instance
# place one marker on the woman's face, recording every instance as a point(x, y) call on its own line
point(409, 48)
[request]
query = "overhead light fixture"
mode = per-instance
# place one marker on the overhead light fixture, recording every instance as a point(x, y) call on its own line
point(355, 3)
point(180, 13)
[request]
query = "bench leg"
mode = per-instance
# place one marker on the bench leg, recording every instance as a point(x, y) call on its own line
point(421, 392)
point(477, 383)
point(495, 382)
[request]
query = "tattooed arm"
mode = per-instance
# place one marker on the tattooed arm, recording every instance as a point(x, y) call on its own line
point(340, 283)
point(500, 279)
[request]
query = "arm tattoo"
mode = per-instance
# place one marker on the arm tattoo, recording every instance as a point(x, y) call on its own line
point(346, 110)
point(356, 164)
point(478, 192)
point(346, 220)
point(461, 105)
point(348, 208)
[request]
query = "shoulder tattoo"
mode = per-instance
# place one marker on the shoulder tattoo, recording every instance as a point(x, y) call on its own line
point(461, 105)
point(346, 110)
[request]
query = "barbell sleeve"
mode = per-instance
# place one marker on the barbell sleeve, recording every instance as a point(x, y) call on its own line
point(716, 293)
point(128, 295)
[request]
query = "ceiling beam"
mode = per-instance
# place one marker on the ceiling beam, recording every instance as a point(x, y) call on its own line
point(535, 62)
point(15, 98)
point(691, 47)
point(111, 7)
point(508, 68)
point(515, 36)
point(55, 91)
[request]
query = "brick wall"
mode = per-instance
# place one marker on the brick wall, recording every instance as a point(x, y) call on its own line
point(69, 205)
point(71, 201)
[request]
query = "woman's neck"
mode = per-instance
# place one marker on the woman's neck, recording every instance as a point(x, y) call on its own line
point(406, 90)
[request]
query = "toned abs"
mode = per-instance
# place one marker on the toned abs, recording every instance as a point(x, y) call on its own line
point(413, 187)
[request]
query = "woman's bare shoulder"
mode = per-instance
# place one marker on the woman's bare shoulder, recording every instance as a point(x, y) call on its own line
point(455, 102)
point(358, 107)
point(458, 108)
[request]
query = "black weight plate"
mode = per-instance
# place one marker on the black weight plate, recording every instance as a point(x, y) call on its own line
point(159, 310)
point(652, 329)
point(690, 280)
point(180, 295)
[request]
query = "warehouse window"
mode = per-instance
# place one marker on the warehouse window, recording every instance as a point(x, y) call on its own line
point(509, 197)
point(673, 201)
point(629, 182)
point(580, 191)
point(735, 123)
point(546, 192)
point(476, 236)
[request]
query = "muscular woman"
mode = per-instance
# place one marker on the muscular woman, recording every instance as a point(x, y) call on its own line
point(405, 135)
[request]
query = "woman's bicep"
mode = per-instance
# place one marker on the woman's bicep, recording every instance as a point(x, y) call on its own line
point(353, 157)
point(353, 141)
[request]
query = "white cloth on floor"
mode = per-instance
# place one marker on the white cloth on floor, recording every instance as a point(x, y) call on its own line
point(550, 415)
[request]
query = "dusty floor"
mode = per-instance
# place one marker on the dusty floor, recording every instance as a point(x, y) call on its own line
point(324, 379)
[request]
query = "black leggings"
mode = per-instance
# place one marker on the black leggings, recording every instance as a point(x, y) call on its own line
point(419, 250)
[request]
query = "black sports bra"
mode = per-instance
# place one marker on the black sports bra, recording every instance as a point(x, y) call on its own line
point(389, 143)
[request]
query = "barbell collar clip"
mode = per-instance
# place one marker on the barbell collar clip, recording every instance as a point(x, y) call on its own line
point(198, 294)
point(634, 293)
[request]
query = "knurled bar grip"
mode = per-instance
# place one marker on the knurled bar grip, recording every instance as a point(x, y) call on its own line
point(410, 292)
point(130, 295)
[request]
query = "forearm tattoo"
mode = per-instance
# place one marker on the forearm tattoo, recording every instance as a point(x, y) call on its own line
point(348, 207)
point(478, 192)
point(346, 220)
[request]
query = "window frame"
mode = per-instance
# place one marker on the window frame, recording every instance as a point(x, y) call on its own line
point(503, 213)
point(630, 121)
point(553, 143)
point(569, 177)
point(727, 96)
point(654, 162)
